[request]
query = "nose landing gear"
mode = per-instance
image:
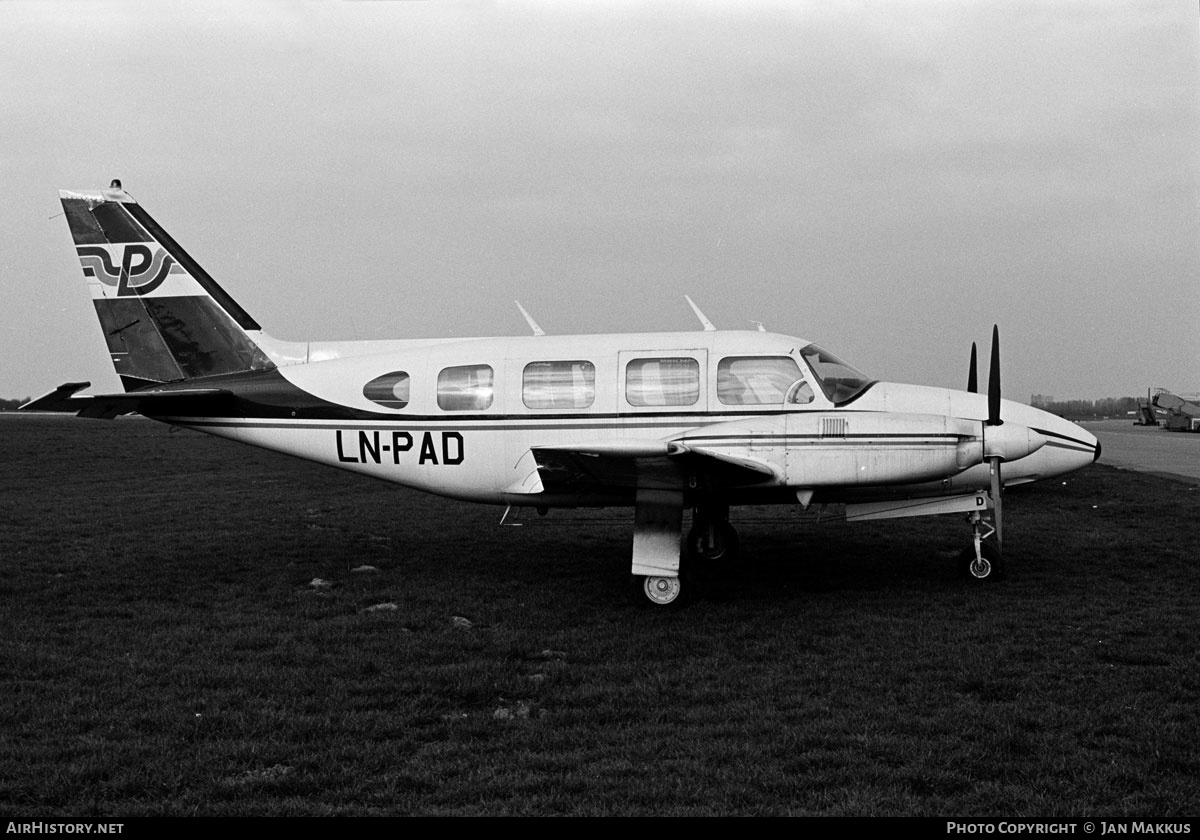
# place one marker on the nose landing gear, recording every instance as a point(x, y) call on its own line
point(983, 560)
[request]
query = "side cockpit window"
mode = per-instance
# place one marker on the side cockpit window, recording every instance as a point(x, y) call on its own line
point(389, 390)
point(761, 380)
point(840, 382)
point(465, 388)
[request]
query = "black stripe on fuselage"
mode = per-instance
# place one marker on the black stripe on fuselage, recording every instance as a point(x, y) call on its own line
point(610, 425)
point(1080, 445)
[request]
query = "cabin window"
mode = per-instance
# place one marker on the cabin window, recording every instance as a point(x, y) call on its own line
point(559, 384)
point(759, 380)
point(465, 388)
point(662, 382)
point(389, 390)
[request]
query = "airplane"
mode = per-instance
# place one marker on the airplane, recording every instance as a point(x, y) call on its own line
point(663, 422)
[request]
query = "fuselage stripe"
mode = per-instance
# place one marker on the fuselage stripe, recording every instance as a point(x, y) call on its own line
point(737, 441)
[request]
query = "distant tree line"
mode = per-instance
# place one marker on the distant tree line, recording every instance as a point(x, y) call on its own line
point(1074, 409)
point(1089, 409)
point(1077, 409)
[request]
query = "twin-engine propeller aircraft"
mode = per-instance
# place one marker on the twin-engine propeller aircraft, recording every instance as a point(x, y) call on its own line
point(661, 421)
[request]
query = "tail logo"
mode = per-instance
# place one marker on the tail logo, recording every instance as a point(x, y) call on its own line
point(139, 271)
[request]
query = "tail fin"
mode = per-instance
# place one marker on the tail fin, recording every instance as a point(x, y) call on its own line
point(164, 318)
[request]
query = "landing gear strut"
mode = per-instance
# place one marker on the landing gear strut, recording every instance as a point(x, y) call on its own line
point(711, 549)
point(712, 540)
point(983, 560)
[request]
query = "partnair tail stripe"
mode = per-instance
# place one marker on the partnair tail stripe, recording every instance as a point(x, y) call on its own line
point(138, 271)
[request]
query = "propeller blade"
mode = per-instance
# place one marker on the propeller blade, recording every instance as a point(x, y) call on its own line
point(994, 381)
point(997, 491)
point(972, 374)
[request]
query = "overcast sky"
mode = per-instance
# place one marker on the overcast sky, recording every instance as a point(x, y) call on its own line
point(887, 179)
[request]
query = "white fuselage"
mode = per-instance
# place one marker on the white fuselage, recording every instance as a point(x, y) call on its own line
point(891, 439)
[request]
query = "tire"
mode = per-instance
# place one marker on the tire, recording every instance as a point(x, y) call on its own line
point(993, 564)
point(660, 593)
point(722, 550)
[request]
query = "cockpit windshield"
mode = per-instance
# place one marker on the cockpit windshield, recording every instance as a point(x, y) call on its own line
point(840, 382)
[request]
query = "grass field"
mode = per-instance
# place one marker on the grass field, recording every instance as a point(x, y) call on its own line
point(167, 652)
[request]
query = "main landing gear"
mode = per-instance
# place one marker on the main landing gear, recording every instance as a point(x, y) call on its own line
point(712, 542)
point(671, 575)
point(982, 561)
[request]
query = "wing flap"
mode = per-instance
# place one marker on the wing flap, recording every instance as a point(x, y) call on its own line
point(758, 470)
point(589, 469)
point(634, 465)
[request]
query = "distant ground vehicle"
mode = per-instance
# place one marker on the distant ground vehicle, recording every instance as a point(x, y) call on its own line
point(1182, 414)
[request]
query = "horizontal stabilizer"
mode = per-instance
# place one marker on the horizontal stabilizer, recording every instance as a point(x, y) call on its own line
point(60, 399)
point(157, 403)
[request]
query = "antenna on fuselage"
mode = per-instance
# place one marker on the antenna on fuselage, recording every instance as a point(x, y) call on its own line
point(533, 325)
point(759, 326)
point(707, 324)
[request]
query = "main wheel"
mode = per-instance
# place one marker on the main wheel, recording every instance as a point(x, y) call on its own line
point(712, 554)
point(990, 566)
point(662, 591)
point(714, 543)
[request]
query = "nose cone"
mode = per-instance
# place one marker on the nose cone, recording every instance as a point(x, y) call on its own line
point(1068, 447)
